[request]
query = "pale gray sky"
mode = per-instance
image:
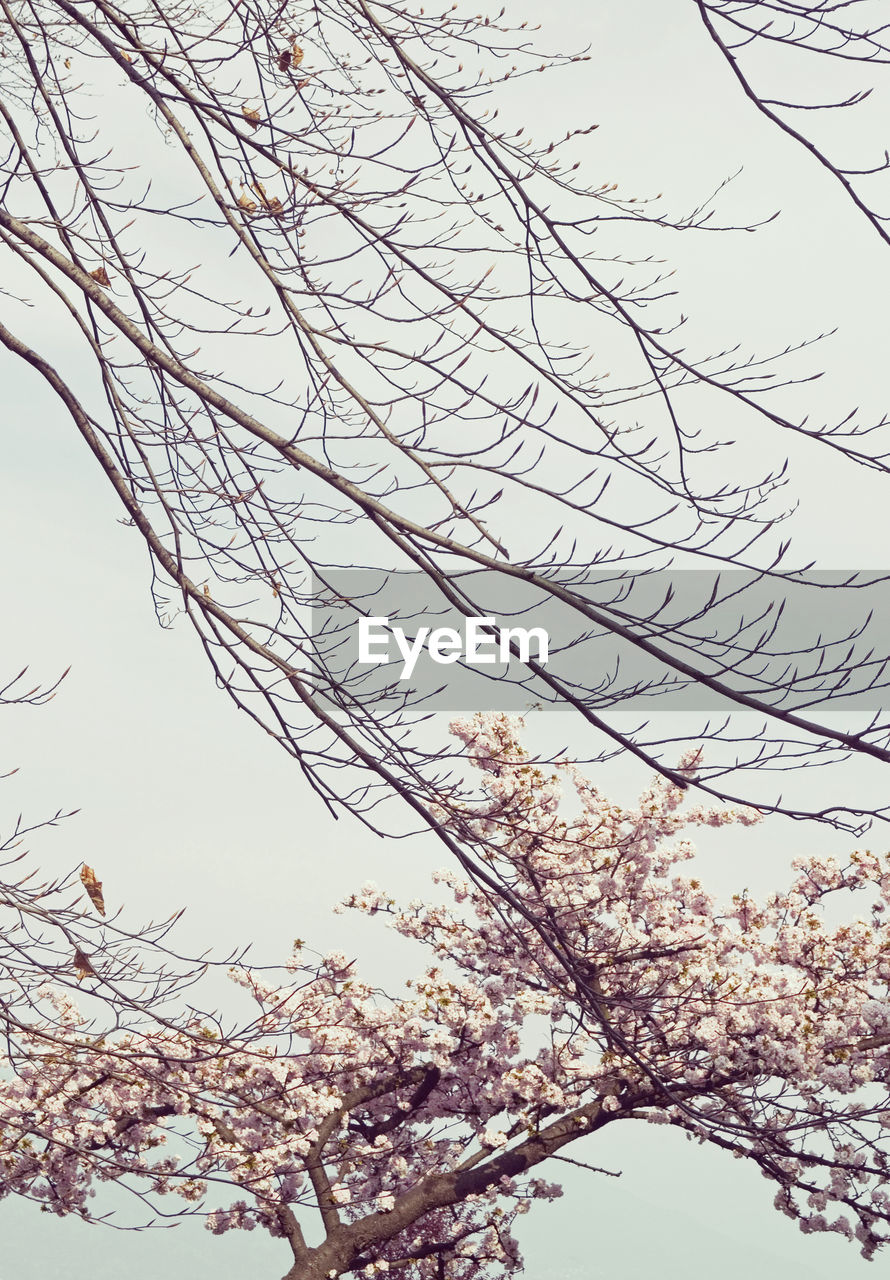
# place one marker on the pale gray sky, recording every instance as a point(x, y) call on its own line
point(184, 803)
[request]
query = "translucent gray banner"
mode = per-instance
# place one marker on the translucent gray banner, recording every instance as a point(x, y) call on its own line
point(685, 640)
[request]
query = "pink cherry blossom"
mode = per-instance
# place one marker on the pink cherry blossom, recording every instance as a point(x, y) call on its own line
point(411, 1126)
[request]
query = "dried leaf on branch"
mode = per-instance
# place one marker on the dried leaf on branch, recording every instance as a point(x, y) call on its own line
point(82, 965)
point(93, 888)
point(290, 58)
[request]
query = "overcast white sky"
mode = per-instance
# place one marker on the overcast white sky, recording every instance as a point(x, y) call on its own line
point(184, 803)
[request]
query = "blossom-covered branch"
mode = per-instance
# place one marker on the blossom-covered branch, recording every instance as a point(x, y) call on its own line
point(410, 1130)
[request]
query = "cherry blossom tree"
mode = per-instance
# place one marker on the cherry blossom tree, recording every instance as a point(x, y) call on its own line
point(312, 297)
point(403, 1134)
